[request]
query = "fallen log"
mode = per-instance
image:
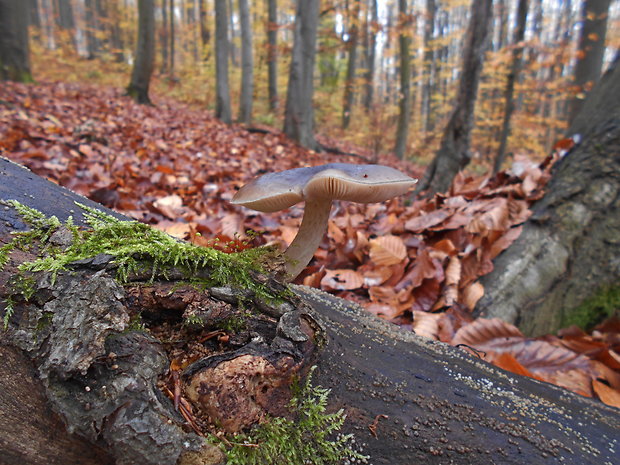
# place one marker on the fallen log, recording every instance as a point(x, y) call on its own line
point(83, 384)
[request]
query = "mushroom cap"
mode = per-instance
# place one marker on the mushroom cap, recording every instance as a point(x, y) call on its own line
point(334, 181)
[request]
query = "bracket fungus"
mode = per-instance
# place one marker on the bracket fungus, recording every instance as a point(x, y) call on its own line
point(318, 186)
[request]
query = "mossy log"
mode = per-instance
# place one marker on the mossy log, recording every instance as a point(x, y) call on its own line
point(79, 387)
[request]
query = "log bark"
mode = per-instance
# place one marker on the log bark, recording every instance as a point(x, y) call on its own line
point(569, 249)
point(408, 399)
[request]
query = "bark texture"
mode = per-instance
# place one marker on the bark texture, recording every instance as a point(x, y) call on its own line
point(407, 399)
point(222, 104)
point(145, 53)
point(404, 105)
point(590, 52)
point(14, 48)
point(453, 154)
point(299, 113)
point(272, 53)
point(247, 65)
point(569, 249)
point(349, 81)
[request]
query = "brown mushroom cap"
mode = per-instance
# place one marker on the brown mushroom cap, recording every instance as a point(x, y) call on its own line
point(335, 181)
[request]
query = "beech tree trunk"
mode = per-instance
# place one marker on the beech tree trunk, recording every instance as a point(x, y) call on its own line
point(371, 53)
point(407, 399)
point(14, 47)
point(247, 65)
point(515, 66)
point(569, 249)
point(299, 113)
point(272, 53)
point(404, 106)
point(453, 154)
point(590, 52)
point(145, 53)
point(222, 104)
point(349, 82)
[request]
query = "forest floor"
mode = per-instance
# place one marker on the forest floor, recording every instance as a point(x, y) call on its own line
point(412, 261)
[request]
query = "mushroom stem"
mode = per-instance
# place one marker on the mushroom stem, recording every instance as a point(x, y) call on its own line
point(309, 236)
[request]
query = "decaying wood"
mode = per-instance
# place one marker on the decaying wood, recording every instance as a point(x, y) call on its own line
point(408, 400)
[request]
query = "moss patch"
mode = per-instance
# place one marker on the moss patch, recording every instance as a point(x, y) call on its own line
point(311, 438)
point(595, 309)
point(136, 249)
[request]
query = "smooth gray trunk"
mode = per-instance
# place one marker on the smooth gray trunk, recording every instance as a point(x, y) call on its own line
point(222, 104)
point(145, 53)
point(247, 65)
point(349, 82)
point(404, 107)
point(299, 113)
point(14, 46)
point(272, 53)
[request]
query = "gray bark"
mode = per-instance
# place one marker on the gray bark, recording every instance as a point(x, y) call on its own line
point(272, 53)
point(222, 104)
point(93, 43)
point(64, 14)
point(590, 52)
point(145, 53)
point(349, 81)
point(569, 248)
point(299, 113)
point(14, 47)
point(429, 402)
point(205, 33)
point(404, 107)
point(453, 154)
point(247, 65)
point(515, 66)
point(163, 36)
point(371, 53)
point(429, 65)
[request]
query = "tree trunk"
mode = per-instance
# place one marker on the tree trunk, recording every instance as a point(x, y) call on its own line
point(404, 109)
point(299, 113)
point(205, 33)
point(163, 36)
point(93, 44)
point(116, 34)
point(247, 65)
point(515, 66)
point(568, 251)
point(429, 65)
point(453, 154)
point(145, 53)
point(172, 37)
point(34, 19)
point(14, 47)
point(272, 53)
point(371, 53)
point(64, 15)
point(407, 399)
point(349, 82)
point(590, 52)
point(222, 104)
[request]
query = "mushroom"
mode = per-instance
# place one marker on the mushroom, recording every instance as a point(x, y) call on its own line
point(319, 186)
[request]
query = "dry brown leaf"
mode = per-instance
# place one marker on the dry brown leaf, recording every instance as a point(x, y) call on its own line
point(472, 294)
point(426, 324)
point(425, 221)
point(342, 280)
point(607, 394)
point(387, 250)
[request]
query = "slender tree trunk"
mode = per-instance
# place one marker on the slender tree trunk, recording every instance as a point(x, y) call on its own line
point(145, 53)
point(590, 52)
point(371, 53)
point(232, 34)
point(116, 34)
point(93, 44)
point(14, 46)
point(568, 251)
point(404, 113)
point(349, 82)
point(34, 17)
point(453, 155)
point(222, 104)
point(429, 64)
point(205, 33)
point(299, 114)
point(48, 24)
point(163, 37)
point(171, 37)
point(247, 64)
point(515, 67)
point(272, 53)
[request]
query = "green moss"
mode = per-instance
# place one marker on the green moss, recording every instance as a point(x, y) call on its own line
point(135, 248)
point(312, 438)
point(595, 309)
